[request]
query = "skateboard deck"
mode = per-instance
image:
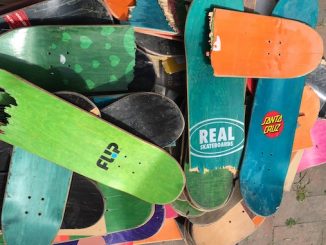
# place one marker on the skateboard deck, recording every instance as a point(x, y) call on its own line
point(120, 8)
point(123, 211)
point(85, 204)
point(158, 45)
point(143, 232)
point(216, 130)
point(153, 20)
point(76, 58)
point(116, 158)
point(273, 124)
point(272, 54)
point(32, 205)
point(54, 12)
point(49, 203)
point(315, 155)
point(185, 209)
point(235, 225)
point(150, 116)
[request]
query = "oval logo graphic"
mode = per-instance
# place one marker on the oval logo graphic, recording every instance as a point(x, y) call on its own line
point(216, 137)
point(272, 124)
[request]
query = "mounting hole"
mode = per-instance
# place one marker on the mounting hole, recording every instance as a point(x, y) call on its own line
point(118, 166)
point(243, 211)
point(133, 172)
point(139, 163)
point(280, 42)
point(106, 210)
point(268, 53)
point(67, 52)
point(69, 66)
point(29, 197)
point(39, 214)
point(269, 41)
point(49, 53)
point(279, 54)
point(125, 156)
point(230, 221)
point(268, 169)
point(26, 212)
point(271, 154)
point(42, 199)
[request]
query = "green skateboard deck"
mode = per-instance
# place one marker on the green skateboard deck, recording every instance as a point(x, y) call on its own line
point(124, 211)
point(33, 210)
point(216, 114)
point(184, 208)
point(115, 158)
point(77, 58)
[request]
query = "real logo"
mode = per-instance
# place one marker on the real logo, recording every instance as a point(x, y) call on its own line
point(216, 137)
point(272, 124)
point(110, 153)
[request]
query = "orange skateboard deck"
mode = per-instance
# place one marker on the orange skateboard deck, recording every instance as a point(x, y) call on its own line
point(242, 46)
point(119, 8)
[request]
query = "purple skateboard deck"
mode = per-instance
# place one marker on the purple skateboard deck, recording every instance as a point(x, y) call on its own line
point(315, 155)
point(147, 230)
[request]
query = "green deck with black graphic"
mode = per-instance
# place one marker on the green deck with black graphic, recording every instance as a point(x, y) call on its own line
point(70, 137)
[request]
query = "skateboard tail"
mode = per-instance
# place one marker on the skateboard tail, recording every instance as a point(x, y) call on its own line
point(273, 48)
point(119, 8)
point(153, 20)
point(40, 117)
point(175, 13)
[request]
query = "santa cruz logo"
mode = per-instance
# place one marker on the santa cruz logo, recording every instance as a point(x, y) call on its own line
point(216, 137)
point(272, 124)
point(110, 153)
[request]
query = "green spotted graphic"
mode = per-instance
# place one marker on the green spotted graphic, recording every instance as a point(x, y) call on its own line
point(66, 37)
point(96, 64)
point(78, 68)
point(84, 59)
point(85, 42)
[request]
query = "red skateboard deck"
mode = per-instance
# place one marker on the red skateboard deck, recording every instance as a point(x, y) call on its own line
point(242, 46)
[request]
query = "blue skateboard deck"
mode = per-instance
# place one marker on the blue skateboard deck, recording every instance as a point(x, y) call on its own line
point(216, 114)
point(272, 126)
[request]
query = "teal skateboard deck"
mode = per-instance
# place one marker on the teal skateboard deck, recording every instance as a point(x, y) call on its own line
point(272, 126)
point(33, 207)
point(216, 114)
point(116, 159)
point(77, 58)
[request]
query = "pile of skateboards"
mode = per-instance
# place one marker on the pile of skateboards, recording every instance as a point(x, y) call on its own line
point(142, 121)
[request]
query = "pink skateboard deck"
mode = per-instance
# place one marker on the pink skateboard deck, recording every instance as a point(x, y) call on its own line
point(316, 155)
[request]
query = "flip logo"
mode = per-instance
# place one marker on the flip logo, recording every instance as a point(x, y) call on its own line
point(216, 137)
point(110, 153)
point(272, 124)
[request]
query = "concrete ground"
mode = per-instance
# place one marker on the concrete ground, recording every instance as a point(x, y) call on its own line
point(297, 222)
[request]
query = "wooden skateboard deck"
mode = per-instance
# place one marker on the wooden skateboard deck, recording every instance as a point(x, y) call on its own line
point(315, 155)
point(76, 58)
point(150, 116)
point(54, 12)
point(216, 130)
point(116, 158)
point(226, 226)
point(273, 124)
point(272, 54)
